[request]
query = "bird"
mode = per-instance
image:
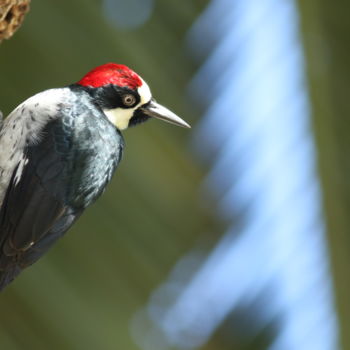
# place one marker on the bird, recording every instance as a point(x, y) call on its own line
point(58, 151)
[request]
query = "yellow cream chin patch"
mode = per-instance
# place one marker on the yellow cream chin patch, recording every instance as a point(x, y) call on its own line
point(119, 117)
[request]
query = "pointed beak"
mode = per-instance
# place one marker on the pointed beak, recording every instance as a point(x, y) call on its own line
point(155, 110)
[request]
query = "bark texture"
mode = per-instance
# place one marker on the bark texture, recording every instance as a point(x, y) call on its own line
point(12, 13)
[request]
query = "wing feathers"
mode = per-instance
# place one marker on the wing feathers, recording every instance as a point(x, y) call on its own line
point(33, 215)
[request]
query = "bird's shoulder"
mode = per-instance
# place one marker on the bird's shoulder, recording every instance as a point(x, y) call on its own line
point(24, 124)
point(64, 126)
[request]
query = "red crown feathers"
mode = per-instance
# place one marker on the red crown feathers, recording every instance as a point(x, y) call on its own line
point(111, 73)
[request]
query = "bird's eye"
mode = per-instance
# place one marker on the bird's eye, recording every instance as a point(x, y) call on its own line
point(129, 100)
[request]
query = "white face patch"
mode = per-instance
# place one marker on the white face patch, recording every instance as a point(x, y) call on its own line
point(144, 92)
point(120, 117)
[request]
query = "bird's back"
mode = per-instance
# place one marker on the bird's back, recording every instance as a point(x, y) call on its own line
point(54, 162)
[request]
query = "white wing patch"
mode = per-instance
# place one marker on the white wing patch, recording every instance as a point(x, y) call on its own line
point(21, 165)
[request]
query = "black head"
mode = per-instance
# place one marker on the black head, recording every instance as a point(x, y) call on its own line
point(124, 97)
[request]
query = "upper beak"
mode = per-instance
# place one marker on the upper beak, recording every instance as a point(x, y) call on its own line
point(155, 110)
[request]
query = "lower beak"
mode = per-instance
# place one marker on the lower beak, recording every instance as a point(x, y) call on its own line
point(155, 110)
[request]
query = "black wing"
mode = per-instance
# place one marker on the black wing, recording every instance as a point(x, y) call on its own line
point(56, 179)
point(34, 213)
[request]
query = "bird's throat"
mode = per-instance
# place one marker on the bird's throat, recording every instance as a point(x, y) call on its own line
point(119, 117)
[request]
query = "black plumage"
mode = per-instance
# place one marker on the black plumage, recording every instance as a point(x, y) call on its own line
point(64, 172)
point(58, 151)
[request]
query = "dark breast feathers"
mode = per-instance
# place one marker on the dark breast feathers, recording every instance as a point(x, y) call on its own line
point(55, 176)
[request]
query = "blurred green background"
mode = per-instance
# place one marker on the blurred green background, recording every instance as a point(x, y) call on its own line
point(83, 294)
point(85, 291)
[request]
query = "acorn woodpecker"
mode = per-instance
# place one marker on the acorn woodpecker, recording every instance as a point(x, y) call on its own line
point(58, 151)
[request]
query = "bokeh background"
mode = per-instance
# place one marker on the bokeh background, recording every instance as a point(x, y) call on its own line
point(232, 235)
